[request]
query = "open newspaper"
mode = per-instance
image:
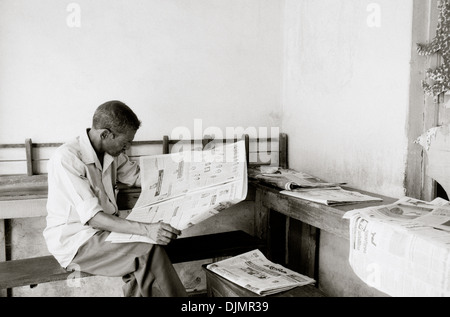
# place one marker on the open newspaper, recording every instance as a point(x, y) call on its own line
point(402, 249)
point(185, 188)
point(253, 271)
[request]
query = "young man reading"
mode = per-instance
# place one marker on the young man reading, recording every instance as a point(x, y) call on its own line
point(82, 208)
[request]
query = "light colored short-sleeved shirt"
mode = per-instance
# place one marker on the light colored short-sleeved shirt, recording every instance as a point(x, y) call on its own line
point(78, 188)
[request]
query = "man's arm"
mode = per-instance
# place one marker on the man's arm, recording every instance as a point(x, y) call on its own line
point(161, 233)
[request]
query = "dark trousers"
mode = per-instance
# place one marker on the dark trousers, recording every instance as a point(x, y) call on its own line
point(145, 268)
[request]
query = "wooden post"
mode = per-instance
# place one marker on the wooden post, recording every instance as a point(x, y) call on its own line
point(3, 292)
point(2, 240)
point(205, 141)
point(261, 217)
point(29, 156)
point(283, 154)
point(165, 144)
point(247, 148)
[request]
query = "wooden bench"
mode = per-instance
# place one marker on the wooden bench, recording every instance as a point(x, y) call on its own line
point(34, 271)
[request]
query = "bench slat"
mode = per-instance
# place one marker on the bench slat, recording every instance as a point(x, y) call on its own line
point(32, 271)
point(44, 269)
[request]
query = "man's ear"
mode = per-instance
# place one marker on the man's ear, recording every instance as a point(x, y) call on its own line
point(104, 134)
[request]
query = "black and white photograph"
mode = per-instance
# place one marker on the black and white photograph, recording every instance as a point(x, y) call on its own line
point(144, 143)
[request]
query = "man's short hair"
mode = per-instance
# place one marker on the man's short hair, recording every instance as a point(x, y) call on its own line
point(115, 116)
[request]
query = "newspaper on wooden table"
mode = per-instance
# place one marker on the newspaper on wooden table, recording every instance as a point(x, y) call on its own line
point(185, 188)
point(308, 187)
point(253, 271)
point(331, 196)
point(410, 213)
point(289, 179)
point(402, 249)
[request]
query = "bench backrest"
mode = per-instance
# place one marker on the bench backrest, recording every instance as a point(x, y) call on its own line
point(31, 158)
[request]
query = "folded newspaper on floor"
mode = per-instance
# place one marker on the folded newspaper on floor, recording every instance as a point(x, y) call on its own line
point(331, 196)
point(185, 188)
point(253, 271)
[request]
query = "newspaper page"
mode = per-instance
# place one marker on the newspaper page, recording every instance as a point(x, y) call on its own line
point(185, 188)
point(330, 196)
point(289, 179)
point(393, 249)
point(253, 271)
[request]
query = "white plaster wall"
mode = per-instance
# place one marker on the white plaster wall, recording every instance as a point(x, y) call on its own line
point(172, 61)
point(345, 91)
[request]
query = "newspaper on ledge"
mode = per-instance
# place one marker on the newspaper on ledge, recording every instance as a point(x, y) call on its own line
point(185, 188)
point(335, 196)
point(289, 179)
point(253, 271)
point(402, 249)
point(305, 186)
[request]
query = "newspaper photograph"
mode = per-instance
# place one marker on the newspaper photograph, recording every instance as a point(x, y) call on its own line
point(399, 250)
point(186, 188)
point(253, 271)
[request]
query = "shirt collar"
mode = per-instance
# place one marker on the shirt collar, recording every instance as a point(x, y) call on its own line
point(88, 155)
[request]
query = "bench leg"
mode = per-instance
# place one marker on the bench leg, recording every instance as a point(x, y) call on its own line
point(3, 292)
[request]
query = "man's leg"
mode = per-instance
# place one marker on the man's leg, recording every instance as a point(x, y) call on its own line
point(145, 268)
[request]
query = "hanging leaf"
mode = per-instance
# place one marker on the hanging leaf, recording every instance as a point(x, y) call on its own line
point(437, 81)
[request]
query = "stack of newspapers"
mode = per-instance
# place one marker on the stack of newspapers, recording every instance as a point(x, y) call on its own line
point(253, 271)
point(304, 186)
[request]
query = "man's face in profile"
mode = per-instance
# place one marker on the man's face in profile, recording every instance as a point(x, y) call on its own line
point(116, 143)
